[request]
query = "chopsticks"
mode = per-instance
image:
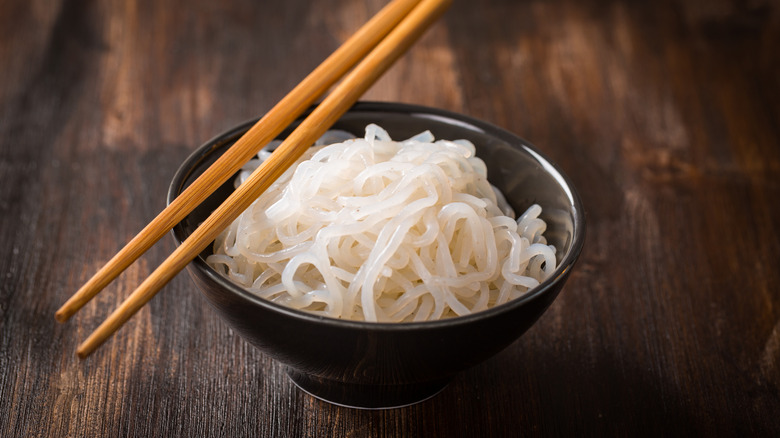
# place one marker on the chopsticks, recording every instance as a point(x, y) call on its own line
point(386, 52)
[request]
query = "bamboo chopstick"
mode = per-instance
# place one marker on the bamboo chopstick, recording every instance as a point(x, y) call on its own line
point(335, 105)
point(266, 129)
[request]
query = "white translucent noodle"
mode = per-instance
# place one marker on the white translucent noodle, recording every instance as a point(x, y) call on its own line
point(376, 230)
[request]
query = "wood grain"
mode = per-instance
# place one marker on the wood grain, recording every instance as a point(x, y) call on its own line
point(664, 114)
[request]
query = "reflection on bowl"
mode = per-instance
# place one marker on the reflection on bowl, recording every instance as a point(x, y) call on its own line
point(382, 365)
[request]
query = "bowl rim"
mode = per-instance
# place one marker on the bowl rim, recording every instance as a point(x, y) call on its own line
point(464, 121)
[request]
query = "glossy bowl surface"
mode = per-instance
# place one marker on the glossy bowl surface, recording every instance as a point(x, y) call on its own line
point(376, 365)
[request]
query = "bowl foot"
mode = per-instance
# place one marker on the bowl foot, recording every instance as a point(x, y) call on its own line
point(366, 396)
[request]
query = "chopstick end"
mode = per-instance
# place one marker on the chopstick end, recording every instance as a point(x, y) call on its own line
point(62, 315)
point(83, 351)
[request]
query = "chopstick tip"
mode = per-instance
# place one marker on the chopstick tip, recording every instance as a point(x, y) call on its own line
point(83, 351)
point(62, 315)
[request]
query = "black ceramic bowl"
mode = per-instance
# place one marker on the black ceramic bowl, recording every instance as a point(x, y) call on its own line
point(381, 365)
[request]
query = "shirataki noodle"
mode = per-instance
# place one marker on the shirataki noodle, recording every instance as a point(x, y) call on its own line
point(376, 230)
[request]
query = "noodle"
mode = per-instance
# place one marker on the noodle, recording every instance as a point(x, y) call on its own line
point(376, 230)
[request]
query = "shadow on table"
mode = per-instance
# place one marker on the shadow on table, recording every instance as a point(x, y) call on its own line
point(546, 396)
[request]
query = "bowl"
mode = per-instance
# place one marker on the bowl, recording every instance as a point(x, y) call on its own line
point(384, 365)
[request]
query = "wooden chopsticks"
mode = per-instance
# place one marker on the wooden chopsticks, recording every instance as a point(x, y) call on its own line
point(384, 54)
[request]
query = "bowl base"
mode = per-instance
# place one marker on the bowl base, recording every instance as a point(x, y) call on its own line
point(361, 396)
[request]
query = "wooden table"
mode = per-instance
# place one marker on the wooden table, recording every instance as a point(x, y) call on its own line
point(666, 115)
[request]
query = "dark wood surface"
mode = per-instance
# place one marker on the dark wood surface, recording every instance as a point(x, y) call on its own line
point(666, 115)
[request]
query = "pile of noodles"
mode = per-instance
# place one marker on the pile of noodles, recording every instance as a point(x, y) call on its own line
point(376, 230)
